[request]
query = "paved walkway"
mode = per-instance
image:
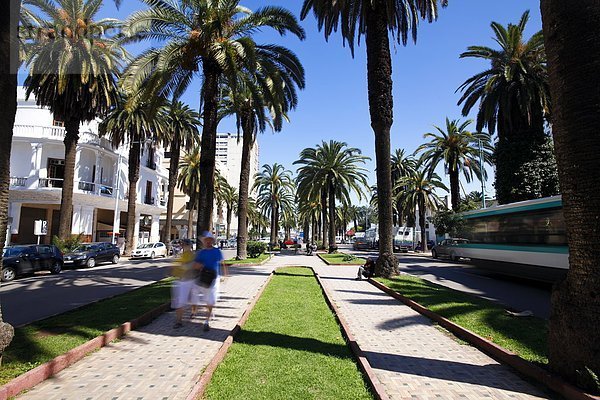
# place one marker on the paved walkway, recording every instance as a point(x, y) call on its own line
point(411, 357)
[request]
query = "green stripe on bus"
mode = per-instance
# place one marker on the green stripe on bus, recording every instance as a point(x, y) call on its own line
point(533, 249)
point(531, 207)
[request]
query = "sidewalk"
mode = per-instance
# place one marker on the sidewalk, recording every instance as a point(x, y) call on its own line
point(157, 361)
point(411, 357)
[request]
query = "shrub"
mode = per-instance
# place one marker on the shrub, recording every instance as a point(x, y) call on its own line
point(349, 257)
point(69, 244)
point(255, 249)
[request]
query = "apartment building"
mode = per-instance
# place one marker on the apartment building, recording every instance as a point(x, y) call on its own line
point(100, 187)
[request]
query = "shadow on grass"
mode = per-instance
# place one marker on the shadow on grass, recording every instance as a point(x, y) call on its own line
point(292, 274)
point(292, 342)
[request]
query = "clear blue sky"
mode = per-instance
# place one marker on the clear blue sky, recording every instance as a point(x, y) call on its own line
point(334, 103)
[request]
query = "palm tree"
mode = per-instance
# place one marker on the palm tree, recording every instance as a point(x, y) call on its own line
point(334, 170)
point(135, 126)
point(230, 199)
point(275, 185)
point(460, 150)
point(514, 99)
point(259, 98)
point(188, 181)
point(211, 35)
point(570, 35)
point(73, 69)
point(374, 19)
point(182, 132)
point(419, 194)
point(402, 166)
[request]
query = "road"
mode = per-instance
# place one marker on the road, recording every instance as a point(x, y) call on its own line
point(514, 294)
point(42, 295)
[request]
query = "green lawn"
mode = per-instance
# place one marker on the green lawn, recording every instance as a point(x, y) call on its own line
point(290, 348)
point(525, 336)
point(338, 258)
point(256, 260)
point(41, 341)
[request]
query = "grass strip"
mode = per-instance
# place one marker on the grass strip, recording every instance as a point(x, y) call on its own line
point(291, 347)
point(255, 260)
point(44, 340)
point(525, 336)
point(338, 258)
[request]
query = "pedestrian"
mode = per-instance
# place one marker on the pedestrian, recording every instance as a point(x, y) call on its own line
point(185, 290)
point(367, 270)
point(209, 261)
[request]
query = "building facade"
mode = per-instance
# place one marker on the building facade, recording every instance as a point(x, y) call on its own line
point(100, 187)
point(228, 163)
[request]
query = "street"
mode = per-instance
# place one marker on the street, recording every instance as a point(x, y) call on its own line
point(515, 294)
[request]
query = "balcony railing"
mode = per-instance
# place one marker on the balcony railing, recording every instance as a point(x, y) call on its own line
point(50, 183)
point(18, 181)
point(149, 200)
point(87, 186)
point(58, 133)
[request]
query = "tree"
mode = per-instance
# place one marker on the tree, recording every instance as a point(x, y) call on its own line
point(419, 193)
point(73, 68)
point(514, 99)
point(402, 166)
point(333, 170)
point(134, 125)
point(259, 98)
point(376, 19)
point(212, 35)
point(182, 131)
point(188, 181)
point(230, 198)
point(571, 38)
point(275, 191)
point(460, 150)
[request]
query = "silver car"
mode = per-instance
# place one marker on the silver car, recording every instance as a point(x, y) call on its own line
point(448, 248)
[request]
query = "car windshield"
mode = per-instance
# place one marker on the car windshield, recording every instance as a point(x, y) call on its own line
point(12, 251)
point(145, 246)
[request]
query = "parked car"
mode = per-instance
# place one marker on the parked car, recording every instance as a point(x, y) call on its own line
point(448, 248)
point(150, 250)
point(90, 254)
point(26, 259)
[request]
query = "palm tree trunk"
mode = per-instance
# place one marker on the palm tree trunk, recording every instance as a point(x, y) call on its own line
point(455, 189)
point(66, 199)
point(571, 39)
point(332, 229)
point(173, 172)
point(244, 190)
point(209, 147)
point(379, 77)
point(229, 212)
point(324, 217)
point(134, 176)
point(273, 238)
point(422, 224)
point(9, 12)
point(190, 223)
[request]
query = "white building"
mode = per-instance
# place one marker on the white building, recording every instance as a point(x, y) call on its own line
point(101, 182)
point(229, 164)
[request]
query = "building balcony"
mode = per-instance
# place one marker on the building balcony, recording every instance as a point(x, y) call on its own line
point(58, 133)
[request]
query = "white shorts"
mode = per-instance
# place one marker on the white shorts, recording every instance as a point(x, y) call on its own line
point(211, 294)
point(185, 292)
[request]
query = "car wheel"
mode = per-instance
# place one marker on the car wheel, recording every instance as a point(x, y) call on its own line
point(453, 257)
point(152, 255)
point(91, 262)
point(115, 259)
point(56, 268)
point(8, 274)
point(434, 254)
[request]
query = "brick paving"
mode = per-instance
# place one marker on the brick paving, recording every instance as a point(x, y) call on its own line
point(410, 356)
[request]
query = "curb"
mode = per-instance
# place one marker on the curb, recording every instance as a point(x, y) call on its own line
point(37, 375)
point(205, 377)
point(363, 363)
point(252, 265)
point(550, 380)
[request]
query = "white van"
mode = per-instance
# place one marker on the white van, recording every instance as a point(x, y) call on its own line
point(406, 239)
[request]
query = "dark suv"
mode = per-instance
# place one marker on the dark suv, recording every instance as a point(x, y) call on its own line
point(89, 254)
point(26, 259)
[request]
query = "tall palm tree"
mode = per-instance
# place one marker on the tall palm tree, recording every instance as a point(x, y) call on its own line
point(514, 100)
point(334, 169)
point(188, 181)
point(214, 36)
point(182, 133)
point(403, 165)
point(570, 35)
point(259, 98)
point(73, 68)
point(230, 199)
point(135, 126)
point(275, 191)
point(375, 19)
point(419, 194)
point(460, 151)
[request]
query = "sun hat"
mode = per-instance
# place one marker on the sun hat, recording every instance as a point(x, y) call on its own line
point(207, 235)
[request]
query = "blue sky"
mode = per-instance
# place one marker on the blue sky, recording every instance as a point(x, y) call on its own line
point(334, 103)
